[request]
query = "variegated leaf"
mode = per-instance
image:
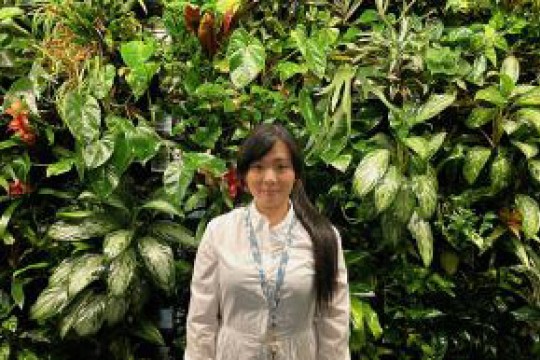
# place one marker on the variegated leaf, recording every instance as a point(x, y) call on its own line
point(370, 170)
point(421, 232)
point(530, 213)
point(121, 272)
point(116, 242)
point(49, 303)
point(61, 273)
point(159, 261)
point(404, 204)
point(530, 98)
point(387, 188)
point(115, 310)
point(528, 149)
point(434, 106)
point(501, 171)
point(534, 169)
point(475, 160)
point(531, 117)
point(90, 317)
point(510, 67)
point(425, 189)
point(86, 269)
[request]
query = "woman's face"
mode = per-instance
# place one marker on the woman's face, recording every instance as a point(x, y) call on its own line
point(270, 179)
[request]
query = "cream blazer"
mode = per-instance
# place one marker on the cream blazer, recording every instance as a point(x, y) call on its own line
point(228, 314)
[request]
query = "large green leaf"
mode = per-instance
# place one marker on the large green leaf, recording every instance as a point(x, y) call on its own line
point(6, 217)
point(85, 270)
point(419, 145)
point(101, 80)
point(530, 150)
point(314, 49)
point(61, 273)
point(116, 242)
point(404, 204)
point(530, 98)
point(370, 170)
point(159, 261)
point(530, 214)
point(104, 180)
point(87, 228)
point(436, 104)
point(173, 233)
point(61, 167)
point(144, 142)
point(90, 315)
point(246, 56)
point(475, 160)
point(82, 115)
point(135, 53)
point(500, 172)
point(307, 110)
point(140, 76)
point(121, 272)
point(49, 303)
point(492, 95)
point(480, 116)
point(116, 309)
point(510, 67)
point(531, 117)
point(534, 169)
point(387, 189)
point(99, 151)
point(421, 232)
point(149, 332)
point(425, 188)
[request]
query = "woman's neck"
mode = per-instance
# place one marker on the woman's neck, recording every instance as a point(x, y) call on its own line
point(274, 215)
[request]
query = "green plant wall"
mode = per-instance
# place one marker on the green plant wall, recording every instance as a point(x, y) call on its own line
point(119, 126)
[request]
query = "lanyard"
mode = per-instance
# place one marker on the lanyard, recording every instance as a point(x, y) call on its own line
point(271, 293)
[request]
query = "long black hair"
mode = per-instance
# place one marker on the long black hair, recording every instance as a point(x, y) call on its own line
point(324, 239)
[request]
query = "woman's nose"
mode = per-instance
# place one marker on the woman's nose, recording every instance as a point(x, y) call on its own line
point(269, 175)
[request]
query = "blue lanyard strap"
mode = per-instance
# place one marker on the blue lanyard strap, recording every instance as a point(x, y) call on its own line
point(272, 294)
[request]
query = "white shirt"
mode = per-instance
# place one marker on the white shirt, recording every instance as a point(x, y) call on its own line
point(228, 315)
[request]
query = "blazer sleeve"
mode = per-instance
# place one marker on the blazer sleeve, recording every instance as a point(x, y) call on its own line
point(332, 323)
point(203, 315)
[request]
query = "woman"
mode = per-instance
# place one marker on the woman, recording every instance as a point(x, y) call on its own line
point(269, 279)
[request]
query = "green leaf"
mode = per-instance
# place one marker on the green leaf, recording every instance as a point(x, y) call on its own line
point(163, 206)
point(475, 160)
point(6, 217)
point(419, 145)
point(529, 150)
point(510, 67)
point(101, 81)
point(140, 76)
point(121, 272)
point(90, 227)
point(17, 291)
point(116, 242)
point(149, 332)
point(531, 117)
point(370, 170)
point(98, 152)
point(425, 189)
point(61, 167)
point(314, 49)
point(404, 204)
point(421, 232)
point(506, 86)
point(287, 69)
point(307, 110)
point(246, 56)
point(82, 115)
point(534, 169)
point(176, 179)
point(85, 270)
point(173, 233)
point(136, 53)
point(144, 142)
point(491, 95)
point(435, 143)
point(530, 98)
point(436, 104)
point(10, 12)
point(90, 315)
point(49, 303)
point(500, 172)
point(159, 261)
point(530, 213)
point(480, 116)
point(104, 180)
point(116, 309)
point(387, 189)
point(61, 273)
